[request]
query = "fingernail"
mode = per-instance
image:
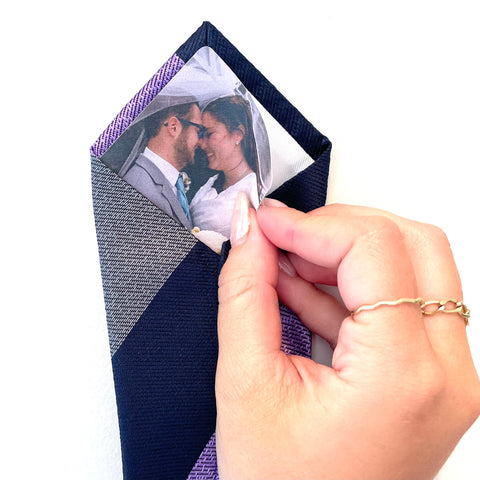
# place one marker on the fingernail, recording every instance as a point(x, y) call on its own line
point(286, 265)
point(240, 220)
point(271, 202)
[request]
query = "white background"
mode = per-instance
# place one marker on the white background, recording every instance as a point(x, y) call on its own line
point(394, 85)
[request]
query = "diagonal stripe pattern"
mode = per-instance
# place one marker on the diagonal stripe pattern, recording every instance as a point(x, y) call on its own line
point(139, 248)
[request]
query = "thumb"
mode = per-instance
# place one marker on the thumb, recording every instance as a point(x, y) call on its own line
point(249, 326)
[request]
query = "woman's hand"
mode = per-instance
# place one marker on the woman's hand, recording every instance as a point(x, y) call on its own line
point(402, 389)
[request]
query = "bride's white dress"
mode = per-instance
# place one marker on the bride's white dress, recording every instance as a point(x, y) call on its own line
point(211, 210)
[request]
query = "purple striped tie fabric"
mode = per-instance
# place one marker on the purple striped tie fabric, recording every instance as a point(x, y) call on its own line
point(160, 287)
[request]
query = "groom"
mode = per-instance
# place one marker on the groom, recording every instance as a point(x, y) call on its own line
point(173, 135)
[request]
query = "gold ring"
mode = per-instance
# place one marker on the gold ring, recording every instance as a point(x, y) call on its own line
point(428, 308)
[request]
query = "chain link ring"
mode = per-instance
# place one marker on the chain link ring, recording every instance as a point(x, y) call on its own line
point(427, 308)
point(441, 306)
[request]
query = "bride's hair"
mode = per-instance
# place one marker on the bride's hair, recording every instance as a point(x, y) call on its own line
point(234, 112)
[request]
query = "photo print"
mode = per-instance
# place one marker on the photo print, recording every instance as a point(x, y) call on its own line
point(201, 141)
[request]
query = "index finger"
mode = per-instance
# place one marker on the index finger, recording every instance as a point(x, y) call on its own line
point(435, 271)
point(368, 253)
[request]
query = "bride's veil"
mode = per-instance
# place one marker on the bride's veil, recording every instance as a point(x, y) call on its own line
point(204, 78)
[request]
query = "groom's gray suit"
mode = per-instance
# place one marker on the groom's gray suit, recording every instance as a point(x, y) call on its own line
point(147, 178)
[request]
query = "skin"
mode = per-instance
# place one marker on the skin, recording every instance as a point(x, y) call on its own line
point(176, 143)
point(402, 389)
point(223, 150)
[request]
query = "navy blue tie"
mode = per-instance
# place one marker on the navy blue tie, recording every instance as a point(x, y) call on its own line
point(160, 287)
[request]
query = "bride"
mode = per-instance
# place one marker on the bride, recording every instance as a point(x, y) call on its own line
point(229, 144)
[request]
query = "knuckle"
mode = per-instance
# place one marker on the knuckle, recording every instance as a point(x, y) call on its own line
point(427, 388)
point(237, 287)
point(380, 231)
point(382, 227)
point(433, 383)
point(237, 277)
point(433, 388)
point(434, 234)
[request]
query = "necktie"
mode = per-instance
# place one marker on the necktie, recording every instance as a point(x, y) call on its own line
point(160, 288)
point(182, 196)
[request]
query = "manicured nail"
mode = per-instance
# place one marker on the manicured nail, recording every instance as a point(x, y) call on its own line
point(240, 220)
point(271, 202)
point(286, 265)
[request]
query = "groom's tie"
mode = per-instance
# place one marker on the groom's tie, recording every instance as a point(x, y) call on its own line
point(160, 288)
point(182, 196)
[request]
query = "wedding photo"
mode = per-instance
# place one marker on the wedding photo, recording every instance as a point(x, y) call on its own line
point(200, 142)
point(157, 324)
